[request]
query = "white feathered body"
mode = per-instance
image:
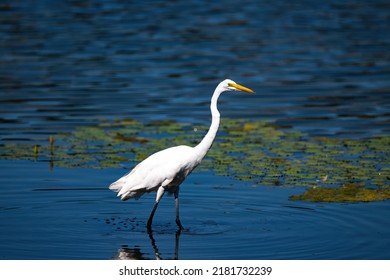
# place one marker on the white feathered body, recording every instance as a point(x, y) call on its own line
point(167, 168)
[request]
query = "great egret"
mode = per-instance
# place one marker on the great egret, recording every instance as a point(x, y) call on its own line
point(166, 170)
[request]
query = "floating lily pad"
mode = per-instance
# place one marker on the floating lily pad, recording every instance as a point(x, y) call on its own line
point(256, 151)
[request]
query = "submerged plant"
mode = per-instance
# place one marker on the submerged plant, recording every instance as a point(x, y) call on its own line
point(256, 151)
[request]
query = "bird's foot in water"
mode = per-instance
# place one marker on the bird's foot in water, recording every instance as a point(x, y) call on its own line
point(179, 225)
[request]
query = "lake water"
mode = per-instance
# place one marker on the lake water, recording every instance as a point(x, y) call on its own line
point(319, 67)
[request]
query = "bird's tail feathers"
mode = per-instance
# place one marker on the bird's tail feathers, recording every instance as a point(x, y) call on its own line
point(118, 187)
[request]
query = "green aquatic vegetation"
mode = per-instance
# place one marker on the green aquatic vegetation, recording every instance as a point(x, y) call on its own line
point(347, 193)
point(256, 151)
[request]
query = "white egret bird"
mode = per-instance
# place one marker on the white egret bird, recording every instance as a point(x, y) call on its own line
point(165, 170)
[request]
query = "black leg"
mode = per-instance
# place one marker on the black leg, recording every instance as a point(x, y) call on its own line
point(177, 210)
point(150, 220)
point(160, 193)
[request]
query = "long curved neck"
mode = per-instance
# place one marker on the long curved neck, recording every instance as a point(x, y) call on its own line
point(204, 146)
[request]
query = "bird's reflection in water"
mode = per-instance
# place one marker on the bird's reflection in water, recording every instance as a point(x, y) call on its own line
point(126, 253)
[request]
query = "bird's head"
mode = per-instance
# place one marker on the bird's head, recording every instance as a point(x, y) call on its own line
point(229, 85)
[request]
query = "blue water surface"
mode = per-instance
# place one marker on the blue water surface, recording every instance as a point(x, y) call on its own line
point(319, 67)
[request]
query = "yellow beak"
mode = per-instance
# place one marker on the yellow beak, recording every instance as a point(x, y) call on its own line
point(240, 87)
